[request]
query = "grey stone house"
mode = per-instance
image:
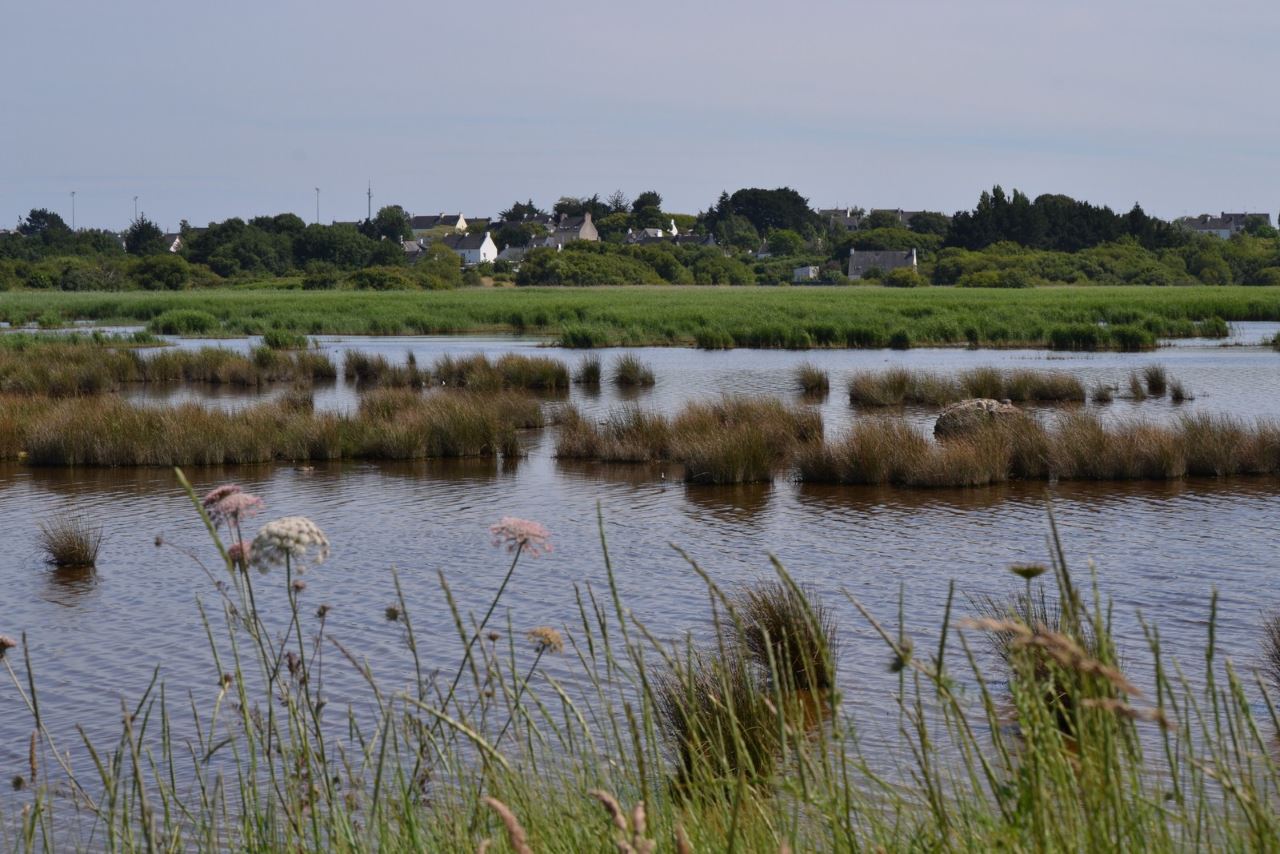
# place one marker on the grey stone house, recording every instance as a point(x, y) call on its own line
point(862, 262)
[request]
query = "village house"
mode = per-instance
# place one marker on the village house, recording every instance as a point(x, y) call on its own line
point(863, 262)
point(474, 248)
point(847, 218)
point(172, 242)
point(808, 273)
point(1220, 226)
point(422, 226)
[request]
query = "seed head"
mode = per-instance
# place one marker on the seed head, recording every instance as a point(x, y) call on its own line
point(1028, 571)
point(393, 613)
point(6, 643)
point(546, 639)
point(521, 535)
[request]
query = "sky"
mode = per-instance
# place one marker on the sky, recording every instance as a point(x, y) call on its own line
point(210, 110)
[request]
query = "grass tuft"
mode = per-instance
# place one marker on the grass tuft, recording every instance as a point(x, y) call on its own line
point(70, 541)
point(630, 371)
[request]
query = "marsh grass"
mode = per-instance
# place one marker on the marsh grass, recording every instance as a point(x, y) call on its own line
point(1178, 392)
point(70, 542)
point(630, 371)
point(390, 424)
point(284, 339)
point(1271, 649)
point(589, 371)
point(1077, 446)
point(698, 734)
point(789, 632)
point(61, 369)
point(1102, 393)
point(1137, 389)
point(898, 386)
point(1156, 379)
point(812, 379)
point(511, 370)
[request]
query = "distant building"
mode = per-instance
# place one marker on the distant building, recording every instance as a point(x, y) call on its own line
point(423, 225)
point(905, 217)
point(810, 273)
point(513, 254)
point(847, 218)
point(1220, 226)
point(694, 240)
point(863, 262)
point(172, 242)
point(571, 228)
point(474, 248)
point(645, 235)
point(412, 249)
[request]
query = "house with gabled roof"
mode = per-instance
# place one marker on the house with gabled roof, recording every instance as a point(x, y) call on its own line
point(474, 248)
point(423, 225)
point(862, 262)
point(1220, 226)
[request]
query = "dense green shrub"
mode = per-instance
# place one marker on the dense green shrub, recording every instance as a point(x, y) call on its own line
point(162, 272)
point(904, 277)
point(381, 279)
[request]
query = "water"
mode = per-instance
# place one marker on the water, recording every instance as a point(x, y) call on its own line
point(1160, 549)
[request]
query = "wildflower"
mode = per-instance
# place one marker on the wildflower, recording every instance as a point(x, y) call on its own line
point(299, 585)
point(546, 639)
point(521, 535)
point(6, 643)
point(322, 611)
point(229, 504)
point(392, 613)
point(294, 539)
point(240, 553)
point(494, 636)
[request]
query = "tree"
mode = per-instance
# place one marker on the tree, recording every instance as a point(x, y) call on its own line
point(647, 199)
point(618, 202)
point(765, 210)
point(928, 222)
point(144, 237)
point(389, 223)
point(880, 219)
point(1258, 226)
point(45, 225)
point(784, 241)
point(521, 211)
point(162, 272)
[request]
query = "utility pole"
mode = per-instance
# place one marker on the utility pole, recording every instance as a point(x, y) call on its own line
point(73, 210)
point(317, 205)
point(135, 208)
point(369, 194)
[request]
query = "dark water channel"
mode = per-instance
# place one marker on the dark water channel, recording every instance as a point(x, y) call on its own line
point(1159, 548)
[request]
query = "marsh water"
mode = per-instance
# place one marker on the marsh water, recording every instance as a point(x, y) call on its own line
point(1159, 549)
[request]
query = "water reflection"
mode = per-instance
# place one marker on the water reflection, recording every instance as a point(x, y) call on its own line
point(68, 585)
point(741, 503)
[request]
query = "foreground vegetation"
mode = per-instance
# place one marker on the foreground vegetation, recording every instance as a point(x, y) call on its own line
point(797, 318)
point(739, 737)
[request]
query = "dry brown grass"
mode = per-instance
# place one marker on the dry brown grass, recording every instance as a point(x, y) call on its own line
point(898, 386)
point(70, 541)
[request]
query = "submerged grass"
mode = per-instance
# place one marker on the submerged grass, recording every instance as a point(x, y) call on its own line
point(702, 738)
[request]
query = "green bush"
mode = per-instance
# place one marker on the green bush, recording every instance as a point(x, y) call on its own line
point(904, 277)
point(381, 279)
point(183, 321)
point(321, 276)
point(163, 272)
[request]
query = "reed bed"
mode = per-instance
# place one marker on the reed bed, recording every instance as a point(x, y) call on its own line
point(812, 379)
point(1077, 446)
point(629, 370)
point(898, 386)
point(730, 440)
point(70, 542)
point(653, 744)
point(1156, 379)
point(474, 373)
point(391, 424)
point(61, 369)
point(589, 371)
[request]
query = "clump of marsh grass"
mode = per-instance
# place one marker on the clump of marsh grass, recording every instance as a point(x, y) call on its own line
point(70, 542)
point(630, 371)
point(1271, 648)
point(789, 632)
point(812, 379)
point(511, 370)
point(898, 386)
point(373, 369)
point(1102, 393)
point(718, 722)
point(284, 339)
point(1178, 392)
point(1156, 379)
point(1137, 389)
point(588, 372)
point(628, 435)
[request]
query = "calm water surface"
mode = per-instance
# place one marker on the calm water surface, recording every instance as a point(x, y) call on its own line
point(1160, 549)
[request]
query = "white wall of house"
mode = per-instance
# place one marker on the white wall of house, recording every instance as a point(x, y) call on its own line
point(488, 252)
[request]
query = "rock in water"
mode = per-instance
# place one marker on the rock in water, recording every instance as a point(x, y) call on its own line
point(968, 415)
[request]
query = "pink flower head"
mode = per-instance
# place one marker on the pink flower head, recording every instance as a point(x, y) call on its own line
point(240, 553)
point(229, 504)
point(521, 535)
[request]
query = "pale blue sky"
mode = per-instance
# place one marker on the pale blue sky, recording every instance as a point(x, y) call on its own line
point(232, 108)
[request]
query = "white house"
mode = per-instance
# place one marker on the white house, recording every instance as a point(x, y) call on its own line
point(474, 248)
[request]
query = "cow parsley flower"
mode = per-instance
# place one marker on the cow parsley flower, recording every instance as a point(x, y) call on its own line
point(521, 534)
point(295, 539)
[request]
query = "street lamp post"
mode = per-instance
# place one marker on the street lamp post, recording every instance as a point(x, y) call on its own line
point(317, 205)
point(73, 210)
point(135, 208)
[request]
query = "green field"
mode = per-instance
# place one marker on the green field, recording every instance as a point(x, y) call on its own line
point(1062, 317)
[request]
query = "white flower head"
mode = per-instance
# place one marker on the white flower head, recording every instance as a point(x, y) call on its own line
point(295, 539)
